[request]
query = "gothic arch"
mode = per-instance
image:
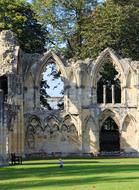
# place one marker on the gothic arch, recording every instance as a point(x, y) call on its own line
point(131, 90)
point(67, 121)
point(67, 116)
point(130, 117)
point(30, 81)
point(109, 113)
point(129, 134)
point(99, 62)
point(130, 78)
point(32, 126)
point(109, 136)
point(91, 120)
point(53, 117)
point(34, 120)
point(52, 122)
point(89, 135)
point(45, 60)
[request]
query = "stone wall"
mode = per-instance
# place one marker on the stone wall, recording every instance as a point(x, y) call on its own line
point(52, 133)
point(12, 132)
point(80, 101)
point(29, 129)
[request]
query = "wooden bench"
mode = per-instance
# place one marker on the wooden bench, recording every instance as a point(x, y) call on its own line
point(15, 159)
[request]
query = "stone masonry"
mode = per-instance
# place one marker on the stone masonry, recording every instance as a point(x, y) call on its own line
point(26, 128)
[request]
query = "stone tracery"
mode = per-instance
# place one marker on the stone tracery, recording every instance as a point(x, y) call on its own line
point(76, 129)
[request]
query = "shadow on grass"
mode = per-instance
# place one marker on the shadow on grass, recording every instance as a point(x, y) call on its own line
point(42, 174)
point(68, 170)
point(55, 183)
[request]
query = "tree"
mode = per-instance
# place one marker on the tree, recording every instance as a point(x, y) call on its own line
point(116, 26)
point(108, 78)
point(84, 28)
point(51, 86)
point(126, 2)
point(44, 95)
point(19, 17)
point(65, 20)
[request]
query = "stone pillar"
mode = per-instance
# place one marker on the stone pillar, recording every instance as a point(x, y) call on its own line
point(3, 132)
point(20, 120)
point(90, 139)
point(104, 94)
point(113, 94)
point(20, 132)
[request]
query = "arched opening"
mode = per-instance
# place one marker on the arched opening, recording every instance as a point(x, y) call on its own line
point(108, 85)
point(129, 135)
point(51, 87)
point(34, 125)
point(131, 93)
point(130, 81)
point(109, 136)
point(4, 85)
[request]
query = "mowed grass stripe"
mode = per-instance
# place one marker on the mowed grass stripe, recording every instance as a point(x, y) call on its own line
point(100, 174)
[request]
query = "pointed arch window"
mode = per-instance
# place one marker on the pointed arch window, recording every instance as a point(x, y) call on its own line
point(51, 87)
point(108, 85)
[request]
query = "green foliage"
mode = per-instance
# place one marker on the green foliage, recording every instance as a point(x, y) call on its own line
point(116, 26)
point(126, 2)
point(78, 28)
point(84, 28)
point(51, 74)
point(65, 20)
point(108, 73)
point(19, 16)
point(108, 78)
point(44, 95)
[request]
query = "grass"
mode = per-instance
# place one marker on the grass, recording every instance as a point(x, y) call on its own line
point(77, 174)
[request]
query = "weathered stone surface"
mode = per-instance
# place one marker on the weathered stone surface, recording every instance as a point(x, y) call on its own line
point(29, 129)
point(8, 52)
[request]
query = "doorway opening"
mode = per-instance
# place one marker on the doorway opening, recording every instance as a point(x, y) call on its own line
point(109, 136)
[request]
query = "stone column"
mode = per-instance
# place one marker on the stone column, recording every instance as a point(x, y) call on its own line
point(20, 119)
point(3, 132)
point(113, 94)
point(20, 132)
point(104, 94)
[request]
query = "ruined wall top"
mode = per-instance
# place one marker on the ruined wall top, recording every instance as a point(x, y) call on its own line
point(8, 52)
point(11, 61)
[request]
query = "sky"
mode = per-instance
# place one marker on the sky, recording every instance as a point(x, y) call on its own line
point(56, 85)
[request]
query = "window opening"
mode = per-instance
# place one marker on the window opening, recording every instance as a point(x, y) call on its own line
point(108, 86)
point(51, 88)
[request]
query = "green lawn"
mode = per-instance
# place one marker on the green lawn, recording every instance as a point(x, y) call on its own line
point(77, 174)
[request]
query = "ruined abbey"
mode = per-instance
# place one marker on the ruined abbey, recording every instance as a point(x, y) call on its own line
point(95, 119)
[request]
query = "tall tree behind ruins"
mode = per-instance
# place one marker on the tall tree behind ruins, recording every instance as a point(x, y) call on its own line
point(84, 28)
